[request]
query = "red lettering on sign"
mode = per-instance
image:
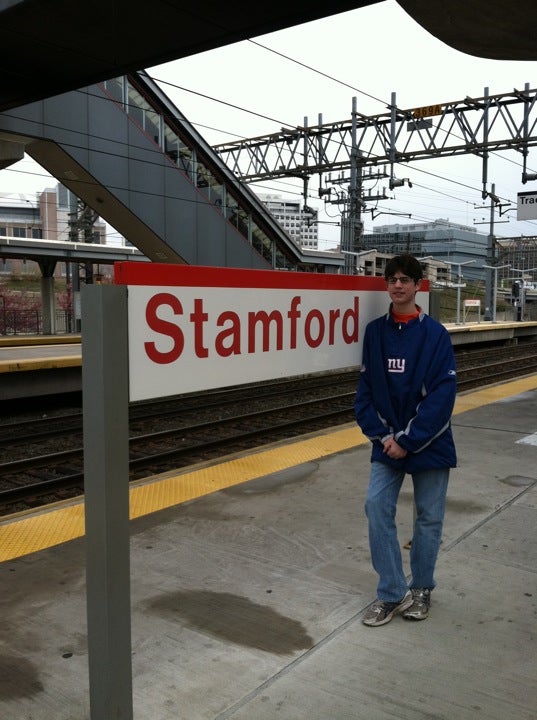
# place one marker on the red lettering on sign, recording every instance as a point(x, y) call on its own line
point(232, 333)
point(265, 319)
point(334, 314)
point(293, 315)
point(164, 327)
point(277, 330)
point(314, 315)
point(350, 317)
point(198, 317)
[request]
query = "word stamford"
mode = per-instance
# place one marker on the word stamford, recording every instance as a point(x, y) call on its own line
point(237, 335)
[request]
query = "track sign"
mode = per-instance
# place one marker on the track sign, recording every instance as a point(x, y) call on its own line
point(526, 206)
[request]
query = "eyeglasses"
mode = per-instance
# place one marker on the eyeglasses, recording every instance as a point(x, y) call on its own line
point(403, 279)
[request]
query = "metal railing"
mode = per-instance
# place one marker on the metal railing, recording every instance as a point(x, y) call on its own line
point(30, 322)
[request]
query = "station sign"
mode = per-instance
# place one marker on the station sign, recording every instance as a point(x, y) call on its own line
point(526, 206)
point(427, 111)
point(193, 328)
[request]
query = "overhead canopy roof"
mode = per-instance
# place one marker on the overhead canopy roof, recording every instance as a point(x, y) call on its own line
point(52, 47)
point(61, 45)
point(493, 29)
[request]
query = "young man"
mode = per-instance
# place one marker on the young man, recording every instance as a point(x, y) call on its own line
point(403, 404)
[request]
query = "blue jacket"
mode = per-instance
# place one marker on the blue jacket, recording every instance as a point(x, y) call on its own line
point(407, 389)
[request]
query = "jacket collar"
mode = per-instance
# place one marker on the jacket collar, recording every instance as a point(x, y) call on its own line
point(388, 317)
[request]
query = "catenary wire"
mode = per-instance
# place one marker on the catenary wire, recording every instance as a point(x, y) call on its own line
point(447, 179)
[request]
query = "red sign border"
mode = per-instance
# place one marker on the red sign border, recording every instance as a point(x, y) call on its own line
point(159, 274)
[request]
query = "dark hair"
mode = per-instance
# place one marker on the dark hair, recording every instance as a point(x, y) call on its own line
point(406, 264)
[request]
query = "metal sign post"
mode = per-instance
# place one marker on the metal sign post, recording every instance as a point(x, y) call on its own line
point(105, 386)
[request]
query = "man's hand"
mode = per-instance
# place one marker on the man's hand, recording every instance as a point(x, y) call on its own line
point(393, 450)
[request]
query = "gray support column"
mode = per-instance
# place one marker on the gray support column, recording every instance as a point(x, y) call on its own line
point(106, 488)
point(48, 301)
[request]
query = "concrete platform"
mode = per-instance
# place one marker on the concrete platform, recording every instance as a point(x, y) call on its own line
point(247, 602)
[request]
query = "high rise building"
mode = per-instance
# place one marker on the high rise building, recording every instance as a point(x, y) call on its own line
point(299, 222)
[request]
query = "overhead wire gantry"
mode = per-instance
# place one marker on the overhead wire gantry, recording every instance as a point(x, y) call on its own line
point(373, 146)
point(491, 123)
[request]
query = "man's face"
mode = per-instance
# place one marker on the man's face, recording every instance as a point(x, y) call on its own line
point(402, 289)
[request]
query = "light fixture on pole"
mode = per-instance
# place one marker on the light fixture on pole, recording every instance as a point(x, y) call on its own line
point(424, 259)
point(459, 285)
point(395, 182)
point(359, 254)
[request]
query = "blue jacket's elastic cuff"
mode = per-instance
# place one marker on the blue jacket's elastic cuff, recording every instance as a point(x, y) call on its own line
point(401, 436)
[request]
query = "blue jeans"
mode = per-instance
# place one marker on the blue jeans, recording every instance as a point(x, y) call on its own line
point(430, 488)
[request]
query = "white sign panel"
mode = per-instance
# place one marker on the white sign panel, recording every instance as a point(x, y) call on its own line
point(526, 206)
point(193, 328)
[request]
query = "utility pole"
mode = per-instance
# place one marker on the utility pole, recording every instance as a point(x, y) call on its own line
point(491, 277)
point(351, 214)
point(351, 219)
point(355, 189)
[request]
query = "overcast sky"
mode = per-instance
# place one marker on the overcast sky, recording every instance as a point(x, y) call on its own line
point(367, 53)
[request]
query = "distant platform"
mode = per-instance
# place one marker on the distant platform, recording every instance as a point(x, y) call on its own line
point(488, 331)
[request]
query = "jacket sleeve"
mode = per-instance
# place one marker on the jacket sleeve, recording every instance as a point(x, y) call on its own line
point(433, 412)
point(372, 424)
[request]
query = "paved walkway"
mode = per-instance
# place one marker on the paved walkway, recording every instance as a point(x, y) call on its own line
point(247, 603)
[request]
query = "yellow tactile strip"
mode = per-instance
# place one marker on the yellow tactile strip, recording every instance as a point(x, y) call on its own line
point(491, 394)
point(180, 488)
point(45, 363)
point(30, 533)
point(24, 534)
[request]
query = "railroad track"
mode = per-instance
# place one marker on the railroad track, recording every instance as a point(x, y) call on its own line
point(41, 458)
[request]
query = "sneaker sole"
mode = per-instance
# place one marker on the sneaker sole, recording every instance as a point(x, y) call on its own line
point(416, 617)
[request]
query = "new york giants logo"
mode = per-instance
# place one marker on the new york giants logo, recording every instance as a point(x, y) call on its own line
point(396, 365)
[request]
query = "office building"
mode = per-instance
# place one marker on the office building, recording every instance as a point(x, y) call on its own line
point(298, 221)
